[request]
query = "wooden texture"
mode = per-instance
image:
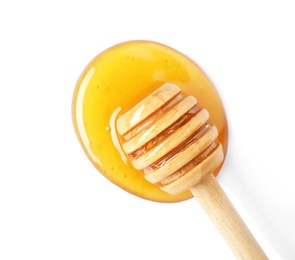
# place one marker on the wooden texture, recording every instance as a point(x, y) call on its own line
point(146, 107)
point(174, 114)
point(227, 220)
point(181, 159)
point(196, 174)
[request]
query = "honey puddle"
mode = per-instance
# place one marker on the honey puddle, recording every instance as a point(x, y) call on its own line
point(117, 79)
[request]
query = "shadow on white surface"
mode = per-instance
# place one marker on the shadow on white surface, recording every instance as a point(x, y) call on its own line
point(274, 221)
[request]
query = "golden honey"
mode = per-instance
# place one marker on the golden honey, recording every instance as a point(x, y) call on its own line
point(115, 80)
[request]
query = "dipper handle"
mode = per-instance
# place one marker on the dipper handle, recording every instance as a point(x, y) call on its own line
point(226, 219)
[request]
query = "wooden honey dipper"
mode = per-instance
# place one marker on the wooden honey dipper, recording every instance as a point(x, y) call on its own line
point(169, 139)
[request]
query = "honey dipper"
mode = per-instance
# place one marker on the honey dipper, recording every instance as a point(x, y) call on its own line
point(169, 139)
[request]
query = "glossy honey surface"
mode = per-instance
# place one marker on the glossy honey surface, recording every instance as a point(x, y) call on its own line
point(115, 80)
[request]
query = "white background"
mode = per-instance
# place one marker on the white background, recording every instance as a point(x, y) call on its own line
point(55, 205)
